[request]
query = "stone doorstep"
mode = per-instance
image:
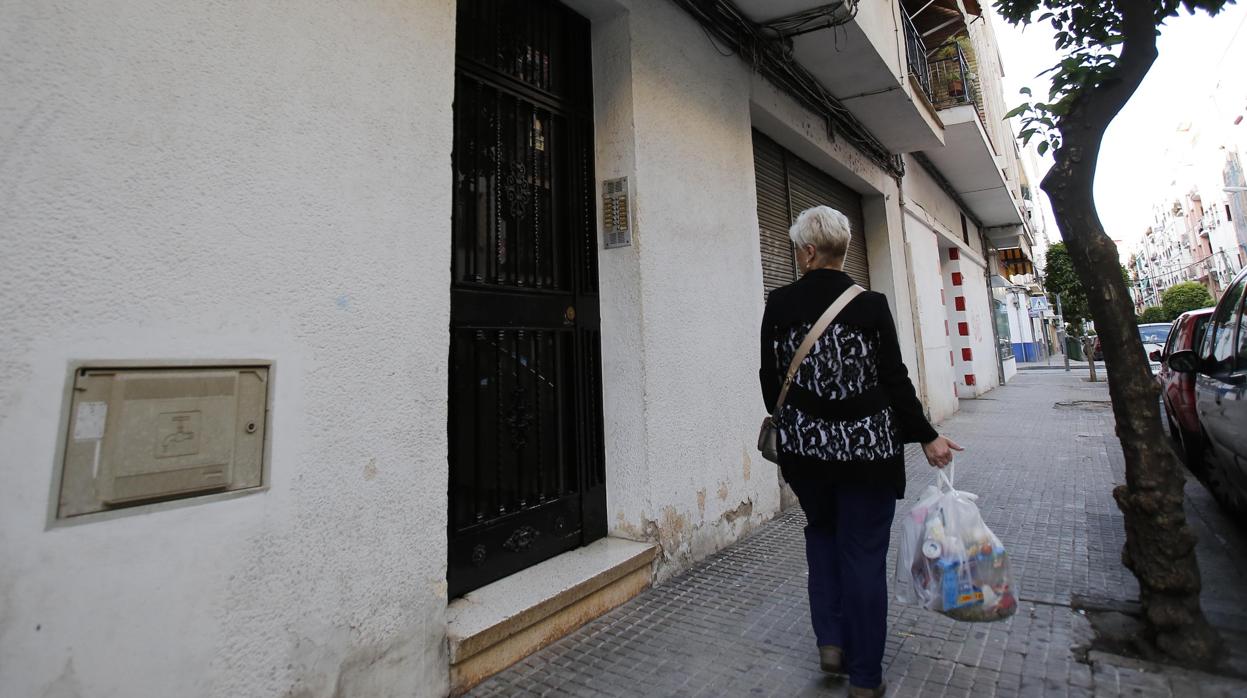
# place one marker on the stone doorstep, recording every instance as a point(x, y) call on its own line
point(499, 624)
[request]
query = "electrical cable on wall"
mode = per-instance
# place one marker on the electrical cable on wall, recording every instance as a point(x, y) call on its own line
point(768, 51)
point(822, 17)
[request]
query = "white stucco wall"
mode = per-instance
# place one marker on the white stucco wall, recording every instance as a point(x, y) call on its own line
point(686, 297)
point(1020, 326)
point(216, 180)
point(681, 306)
point(619, 276)
point(881, 22)
point(933, 206)
point(933, 312)
point(996, 103)
point(932, 209)
point(979, 312)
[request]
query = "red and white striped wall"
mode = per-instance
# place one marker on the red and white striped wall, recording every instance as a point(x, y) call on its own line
point(961, 354)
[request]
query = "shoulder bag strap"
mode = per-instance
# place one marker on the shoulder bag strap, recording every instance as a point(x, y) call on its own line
point(812, 336)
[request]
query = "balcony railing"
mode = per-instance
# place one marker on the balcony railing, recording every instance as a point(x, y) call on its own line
point(951, 81)
point(916, 53)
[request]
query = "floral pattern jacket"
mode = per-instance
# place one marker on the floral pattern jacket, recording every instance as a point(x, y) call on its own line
point(852, 406)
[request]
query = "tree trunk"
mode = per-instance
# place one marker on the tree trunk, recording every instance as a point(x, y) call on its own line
point(1160, 547)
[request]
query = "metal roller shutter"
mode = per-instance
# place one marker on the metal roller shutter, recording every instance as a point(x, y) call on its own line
point(789, 184)
point(811, 187)
point(779, 265)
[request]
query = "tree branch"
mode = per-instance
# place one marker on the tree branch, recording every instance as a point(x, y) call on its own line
point(1093, 109)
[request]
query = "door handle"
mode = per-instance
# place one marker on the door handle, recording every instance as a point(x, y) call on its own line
point(569, 315)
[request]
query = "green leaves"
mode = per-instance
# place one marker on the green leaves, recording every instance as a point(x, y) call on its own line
point(1059, 277)
point(1188, 295)
point(1153, 313)
point(1038, 118)
point(1018, 110)
point(1018, 11)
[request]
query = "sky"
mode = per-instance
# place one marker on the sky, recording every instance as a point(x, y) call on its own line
point(1199, 57)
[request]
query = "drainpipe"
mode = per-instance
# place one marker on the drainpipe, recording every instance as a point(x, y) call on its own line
point(921, 369)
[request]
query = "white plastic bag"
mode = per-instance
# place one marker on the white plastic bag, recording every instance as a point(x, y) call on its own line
point(949, 561)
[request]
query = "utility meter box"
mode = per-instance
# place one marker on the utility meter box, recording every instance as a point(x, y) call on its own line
point(143, 434)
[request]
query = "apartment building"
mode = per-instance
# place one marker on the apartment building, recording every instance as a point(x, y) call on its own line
point(361, 349)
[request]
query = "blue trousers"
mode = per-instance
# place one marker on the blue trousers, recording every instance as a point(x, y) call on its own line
point(846, 546)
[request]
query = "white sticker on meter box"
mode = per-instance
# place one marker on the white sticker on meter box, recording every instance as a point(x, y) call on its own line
point(89, 422)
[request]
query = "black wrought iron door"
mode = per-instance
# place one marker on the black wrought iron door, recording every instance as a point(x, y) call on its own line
point(527, 479)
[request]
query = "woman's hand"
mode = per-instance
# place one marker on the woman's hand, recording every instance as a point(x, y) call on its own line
point(940, 451)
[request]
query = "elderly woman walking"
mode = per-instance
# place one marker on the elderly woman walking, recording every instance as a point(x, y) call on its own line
point(847, 414)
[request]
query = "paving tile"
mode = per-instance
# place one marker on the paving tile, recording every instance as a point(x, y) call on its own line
point(737, 623)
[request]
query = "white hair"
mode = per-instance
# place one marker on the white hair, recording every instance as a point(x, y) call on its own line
point(823, 227)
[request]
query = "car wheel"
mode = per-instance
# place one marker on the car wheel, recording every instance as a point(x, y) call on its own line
point(1173, 427)
point(1192, 451)
point(1220, 482)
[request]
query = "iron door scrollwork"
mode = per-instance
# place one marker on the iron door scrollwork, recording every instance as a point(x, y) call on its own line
point(521, 539)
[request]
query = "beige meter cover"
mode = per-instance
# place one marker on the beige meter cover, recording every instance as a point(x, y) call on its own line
point(142, 434)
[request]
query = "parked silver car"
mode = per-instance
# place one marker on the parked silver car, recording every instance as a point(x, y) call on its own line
point(1220, 369)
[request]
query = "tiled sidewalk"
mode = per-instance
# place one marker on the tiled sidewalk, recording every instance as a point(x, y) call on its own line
point(1043, 458)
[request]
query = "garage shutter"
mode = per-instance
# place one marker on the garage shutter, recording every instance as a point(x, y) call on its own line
point(789, 185)
point(779, 265)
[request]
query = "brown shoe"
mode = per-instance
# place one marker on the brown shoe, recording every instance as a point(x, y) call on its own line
point(876, 692)
point(831, 659)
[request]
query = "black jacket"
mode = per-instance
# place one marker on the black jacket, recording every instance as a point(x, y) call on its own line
point(852, 406)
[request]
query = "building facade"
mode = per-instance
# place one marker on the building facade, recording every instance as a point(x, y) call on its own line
point(1189, 241)
point(362, 349)
point(1198, 228)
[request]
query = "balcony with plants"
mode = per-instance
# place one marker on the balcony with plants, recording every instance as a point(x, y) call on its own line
point(969, 160)
point(951, 82)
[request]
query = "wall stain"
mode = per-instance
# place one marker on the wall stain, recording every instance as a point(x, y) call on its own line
point(66, 684)
point(723, 491)
point(370, 470)
point(701, 503)
point(681, 543)
point(397, 667)
point(369, 670)
point(745, 511)
point(747, 462)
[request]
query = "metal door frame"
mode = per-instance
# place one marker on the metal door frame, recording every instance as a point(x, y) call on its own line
point(525, 71)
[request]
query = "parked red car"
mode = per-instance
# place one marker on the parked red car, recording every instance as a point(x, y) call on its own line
point(1177, 388)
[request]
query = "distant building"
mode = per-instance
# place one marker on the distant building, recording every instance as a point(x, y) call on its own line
point(1163, 257)
point(1200, 225)
point(1236, 197)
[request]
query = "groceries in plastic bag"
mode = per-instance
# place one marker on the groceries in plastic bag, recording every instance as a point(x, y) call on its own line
point(949, 560)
